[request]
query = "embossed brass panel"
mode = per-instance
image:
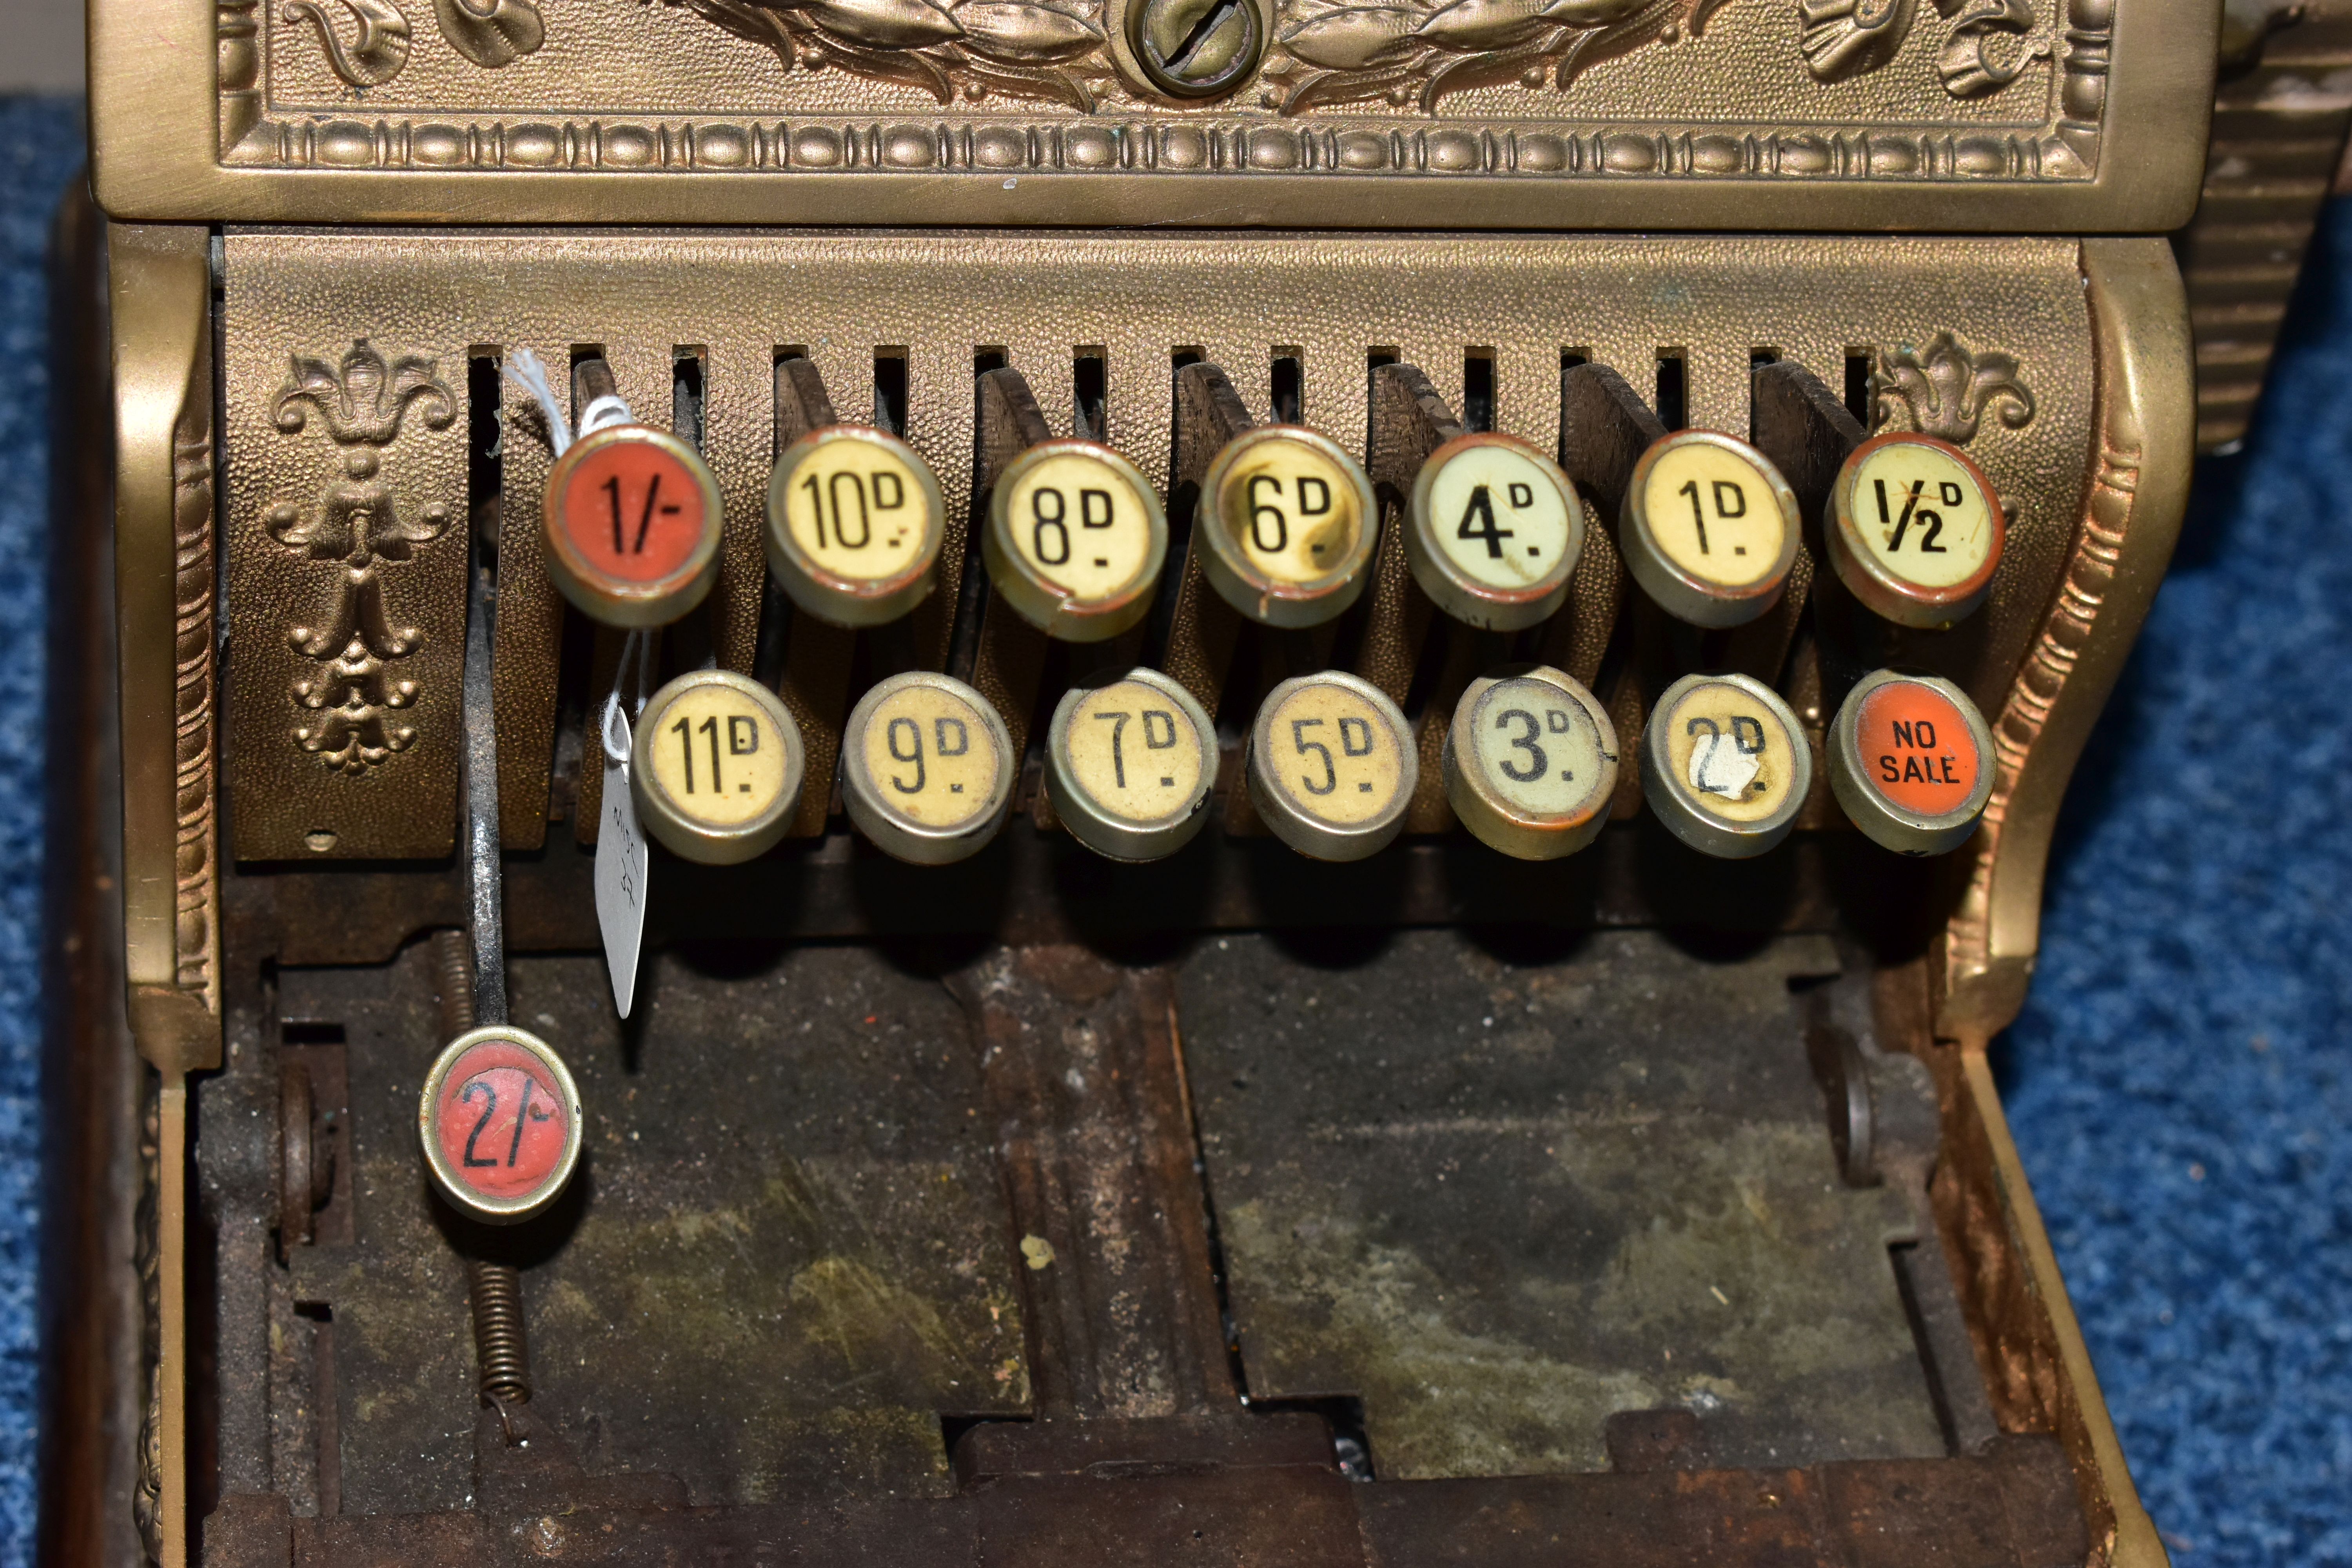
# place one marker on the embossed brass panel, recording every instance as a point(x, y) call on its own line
point(344, 499)
point(1466, 113)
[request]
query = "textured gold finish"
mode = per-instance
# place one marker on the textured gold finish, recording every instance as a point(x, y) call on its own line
point(1625, 113)
point(2131, 517)
point(159, 295)
point(442, 296)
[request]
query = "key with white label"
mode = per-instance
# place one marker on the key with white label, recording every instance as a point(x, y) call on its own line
point(1531, 763)
point(1494, 531)
point(1076, 540)
point(854, 525)
point(1129, 765)
point(1286, 525)
point(927, 768)
point(1725, 764)
point(716, 766)
point(1333, 765)
point(1911, 761)
point(1916, 530)
point(1709, 529)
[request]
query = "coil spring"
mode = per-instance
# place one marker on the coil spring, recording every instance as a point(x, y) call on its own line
point(499, 1349)
point(453, 956)
point(501, 1353)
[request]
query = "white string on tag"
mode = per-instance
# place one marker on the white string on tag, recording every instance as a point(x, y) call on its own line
point(528, 371)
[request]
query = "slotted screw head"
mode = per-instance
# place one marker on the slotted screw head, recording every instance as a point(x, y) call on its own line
point(1196, 48)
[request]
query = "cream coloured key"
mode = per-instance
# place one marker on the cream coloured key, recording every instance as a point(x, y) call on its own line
point(1076, 540)
point(1916, 530)
point(1288, 524)
point(716, 766)
point(1494, 531)
point(927, 768)
point(854, 525)
point(1709, 529)
point(1725, 764)
point(1333, 765)
point(1130, 766)
point(1531, 763)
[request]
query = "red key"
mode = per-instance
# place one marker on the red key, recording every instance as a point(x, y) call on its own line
point(501, 1124)
point(633, 518)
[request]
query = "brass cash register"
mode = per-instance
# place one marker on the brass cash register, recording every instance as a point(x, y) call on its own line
point(1092, 782)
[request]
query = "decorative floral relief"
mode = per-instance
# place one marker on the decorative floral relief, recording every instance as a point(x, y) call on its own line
point(1986, 47)
point(489, 33)
point(1947, 390)
point(1419, 51)
point(1022, 48)
point(357, 522)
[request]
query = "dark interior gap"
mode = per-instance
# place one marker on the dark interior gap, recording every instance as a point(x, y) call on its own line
point(1757, 358)
point(1478, 389)
point(1090, 389)
point(774, 636)
point(890, 390)
point(1287, 404)
point(985, 359)
point(686, 395)
point(1674, 390)
point(484, 454)
point(1857, 385)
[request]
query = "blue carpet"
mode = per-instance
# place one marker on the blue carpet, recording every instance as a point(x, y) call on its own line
point(2181, 1084)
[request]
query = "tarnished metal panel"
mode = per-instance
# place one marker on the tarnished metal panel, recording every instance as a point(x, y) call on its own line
point(1498, 1197)
point(787, 1256)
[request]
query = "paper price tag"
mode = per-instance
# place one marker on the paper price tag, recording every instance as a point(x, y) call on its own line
point(623, 861)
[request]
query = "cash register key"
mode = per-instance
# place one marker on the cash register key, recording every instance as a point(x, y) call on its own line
point(1725, 764)
point(716, 766)
point(1130, 766)
point(1493, 532)
point(631, 518)
point(1290, 523)
point(1076, 540)
point(927, 768)
point(1531, 763)
point(1710, 528)
point(1916, 528)
point(1333, 765)
point(855, 521)
point(1911, 761)
point(501, 1123)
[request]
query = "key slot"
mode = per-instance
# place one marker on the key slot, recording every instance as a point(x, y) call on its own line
point(1203, 630)
point(692, 641)
point(813, 658)
point(1287, 401)
point(1858, 362)
point(1008, 655)
point(1673, 389)
point(1090, 393)
point(1478, 389)
point(890, 386)
point(1807, 431)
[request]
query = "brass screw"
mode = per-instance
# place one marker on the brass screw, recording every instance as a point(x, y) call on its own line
point(1196, 48)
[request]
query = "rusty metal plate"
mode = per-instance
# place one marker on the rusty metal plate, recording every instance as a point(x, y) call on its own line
point(1499, 1196)
point(786, 1257)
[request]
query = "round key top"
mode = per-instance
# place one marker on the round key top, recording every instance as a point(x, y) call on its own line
point(1288, 524)
point(1494, 531)
point(1725, 764)
point(715, 769)
point(1129, 765)
point(1916, 528)
point(927, 768)
point(499, 1119)
point(1531, 763)
point(855, 521)
point(632, 520)
point(1911, 761)
point(1333, 765)
point(1075, 539)
point(1710, 528)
